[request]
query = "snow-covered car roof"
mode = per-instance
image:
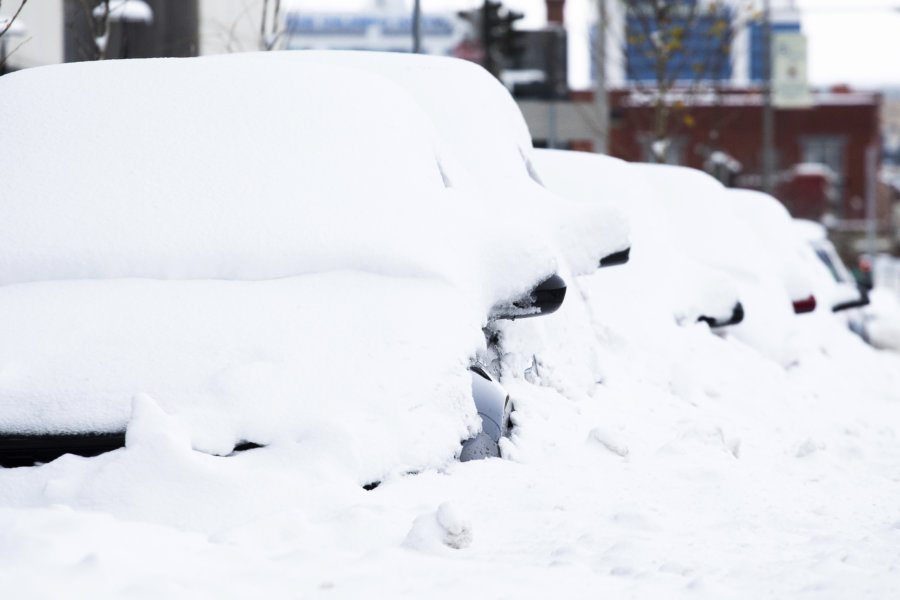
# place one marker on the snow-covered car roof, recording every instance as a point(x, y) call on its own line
point(235, 167)
point(492, 132)
point(491, 149)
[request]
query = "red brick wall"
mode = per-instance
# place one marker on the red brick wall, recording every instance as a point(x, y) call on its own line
point(737, 130)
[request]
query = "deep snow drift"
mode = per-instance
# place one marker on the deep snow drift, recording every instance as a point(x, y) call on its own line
point(650, 456)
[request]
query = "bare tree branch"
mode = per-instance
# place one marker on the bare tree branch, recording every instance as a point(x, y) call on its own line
point(13, 18)
point(686, 43)
point(4, 55)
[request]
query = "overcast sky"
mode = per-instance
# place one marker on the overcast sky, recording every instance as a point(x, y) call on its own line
point(853, 41)
point(850, 41)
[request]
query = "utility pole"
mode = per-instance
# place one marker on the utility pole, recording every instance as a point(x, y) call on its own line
point(417, 27)
point(601, 98)
point(871, 199)
point(768, 116)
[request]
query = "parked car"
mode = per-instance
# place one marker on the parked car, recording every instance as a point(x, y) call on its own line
point(779, 252)
point(696, 292)
point(714, 254)
point(843, 294)
point(185, 230)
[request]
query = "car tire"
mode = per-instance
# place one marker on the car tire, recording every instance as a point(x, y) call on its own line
point(479, 447)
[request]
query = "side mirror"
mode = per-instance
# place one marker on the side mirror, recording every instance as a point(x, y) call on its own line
point(853, 298)
point(544, 299)
point(737, 315)
point(616, 258)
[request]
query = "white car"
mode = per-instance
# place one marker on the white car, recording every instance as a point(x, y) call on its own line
point(257, 245)
point(693, 291)
point(837, 286)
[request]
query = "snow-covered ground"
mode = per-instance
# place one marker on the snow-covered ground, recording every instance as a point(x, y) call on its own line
point(650, 456)
point(883, 316)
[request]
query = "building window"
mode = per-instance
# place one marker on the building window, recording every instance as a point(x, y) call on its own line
point(830, 151)
point(702, 52)
point(672, 148)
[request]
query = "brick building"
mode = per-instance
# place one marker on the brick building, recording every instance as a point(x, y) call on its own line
point(827, 153)
point(820, 150)
point(835, 132)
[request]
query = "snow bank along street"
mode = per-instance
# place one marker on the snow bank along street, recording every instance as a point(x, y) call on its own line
point(275, 286)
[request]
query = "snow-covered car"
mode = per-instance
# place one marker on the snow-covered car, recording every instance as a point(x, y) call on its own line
point(225, 238)
point(747, 236)
point(784, 255)
point(713, 254)
point(883, 314)
point(659, 225)
point(837, 287)
point(845, 293)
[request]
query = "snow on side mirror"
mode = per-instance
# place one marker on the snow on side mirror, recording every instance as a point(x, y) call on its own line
point(737, 315)
point(849, 297)
point(616, 258)
point(544, 299)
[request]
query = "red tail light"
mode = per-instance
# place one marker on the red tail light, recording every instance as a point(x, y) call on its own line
point(806, 305)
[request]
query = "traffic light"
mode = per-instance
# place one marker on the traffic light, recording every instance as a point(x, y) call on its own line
point(470, 47)
point(491, 21)
point(472, 17)
point(513, 44)
point(495, 27)
point(492, 33)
